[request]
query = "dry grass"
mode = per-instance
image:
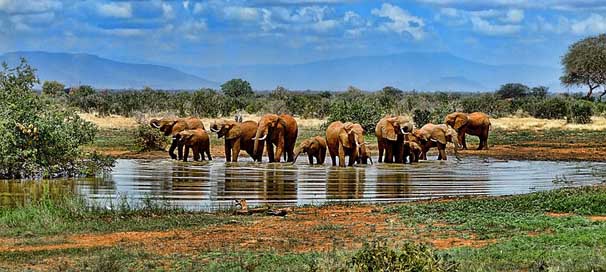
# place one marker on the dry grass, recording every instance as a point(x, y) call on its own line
point(529, 123)
point(505, 123)
point(110, 122)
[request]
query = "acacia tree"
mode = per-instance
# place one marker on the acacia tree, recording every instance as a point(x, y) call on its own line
point(585, 64)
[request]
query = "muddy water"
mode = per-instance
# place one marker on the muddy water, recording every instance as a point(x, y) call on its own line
point(214, 185)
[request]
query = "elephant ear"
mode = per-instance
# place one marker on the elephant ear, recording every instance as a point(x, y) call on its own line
point(389, 131)
point(281, 122)
point(344, 138)
point(438, 135)
point(348, 127)
point(234, 131)
point(460, 121)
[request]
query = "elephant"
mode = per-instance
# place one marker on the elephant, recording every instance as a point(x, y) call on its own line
point(198, 141)
point(390, 132)
point(412, 150)
point(279, 130)
point(346, 139)
point(172, 127)
point(314, 147)
point(237, 136)
point(431, 135)
point(475, 123)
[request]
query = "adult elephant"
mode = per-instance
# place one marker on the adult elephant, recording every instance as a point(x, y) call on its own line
point(315, 147)
point(431, 135)
point(172, 127)
point(346, 139)
point(391, 132)
point(279, 131)
point(198, 141)
point(475, 123)
point(237, 136)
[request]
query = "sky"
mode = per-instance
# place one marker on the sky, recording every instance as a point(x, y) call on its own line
point(239, 32)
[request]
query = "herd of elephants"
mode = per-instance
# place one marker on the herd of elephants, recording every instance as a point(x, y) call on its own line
point(398, 139)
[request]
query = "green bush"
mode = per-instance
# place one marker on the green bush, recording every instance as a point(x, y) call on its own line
point(38, 137)
point(421, 117)
point(551, 108)
point(487, 103)
point(358, 109)
point(148, 138)
point(410, 257)
point(580, 112)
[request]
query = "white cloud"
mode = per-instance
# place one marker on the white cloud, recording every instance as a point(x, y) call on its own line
point(167, 11)
point(29, 6)
point(514, 16)
point(116, 10)
point(241, 13)
point(592, 25)
point(400, 21)
point(485, 27)
point(193, 29)
point(353, 18)
point(198, 8)
point(186, 4)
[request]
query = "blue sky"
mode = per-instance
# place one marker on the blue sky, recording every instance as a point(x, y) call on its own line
point(204, 33)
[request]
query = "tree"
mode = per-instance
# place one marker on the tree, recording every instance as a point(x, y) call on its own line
point(237, 88)
point(585, 64)
point(513, 90)
point(52, 88)
point(539, 92)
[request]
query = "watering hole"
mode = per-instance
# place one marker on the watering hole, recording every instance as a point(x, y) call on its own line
point(215, 185)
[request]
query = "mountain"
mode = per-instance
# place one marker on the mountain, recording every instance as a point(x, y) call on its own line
point(413, 70)
point(86, 69)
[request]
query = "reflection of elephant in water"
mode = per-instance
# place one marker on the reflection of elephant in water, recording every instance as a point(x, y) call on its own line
point(238, 136)
point(475, 123)
point(314, 147)
point(345, 183)
point(280, 131)
point(172, 127)
point(198, 141)
point(431, 135)
point(346, 140)
point(390, 132)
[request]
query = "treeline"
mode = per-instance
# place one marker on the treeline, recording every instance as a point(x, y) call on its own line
point(351, 105)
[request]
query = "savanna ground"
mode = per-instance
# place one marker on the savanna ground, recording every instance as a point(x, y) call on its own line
point(560, 230)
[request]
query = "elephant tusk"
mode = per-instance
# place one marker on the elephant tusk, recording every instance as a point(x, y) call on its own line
point(214, 130)
point(260, 139)
point(434, 140)
point(370, 158)
point(154, 125)
point(404, 132)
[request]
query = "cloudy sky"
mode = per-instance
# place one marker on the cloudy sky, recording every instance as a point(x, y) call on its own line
point(204, 33)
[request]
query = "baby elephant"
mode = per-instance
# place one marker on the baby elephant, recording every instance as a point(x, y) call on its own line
point(314, 147)
point(412, 151)
point(198, 141)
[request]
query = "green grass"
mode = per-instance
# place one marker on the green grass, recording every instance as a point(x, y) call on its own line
point(70, 214)
point(523, 236)
point(115, 139)
point(589, 138)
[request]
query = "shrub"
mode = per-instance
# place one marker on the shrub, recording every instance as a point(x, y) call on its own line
point(580, 112)
point(421, 117)
point(551, 108)
point(410, 257)
point(148, 138)
point(38, 137)
point(487, 103)
point(513, 90)
point(356, 108)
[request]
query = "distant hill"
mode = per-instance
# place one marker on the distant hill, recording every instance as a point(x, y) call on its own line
point(423, 71)
point(86, 69)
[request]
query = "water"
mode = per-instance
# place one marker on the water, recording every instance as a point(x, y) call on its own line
point(216, 184)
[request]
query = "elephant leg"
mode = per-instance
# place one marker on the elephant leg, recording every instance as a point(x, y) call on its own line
point(398, 153)
point(279, 150)
point(341, 156)
point(334, 160)
point(388, 153)
point(322, 156)
point(180, 148)
point(485, 137)
point(171, 150)
point(270, 152)
point(381, 147)
point(235, 149)
point(310, 157)
point(186, 153)
point(197, 154)
point(228, 151)
point(442, 151)
point(463, 143)
point(210, 158)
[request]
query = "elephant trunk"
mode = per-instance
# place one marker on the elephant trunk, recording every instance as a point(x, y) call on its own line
point(258, 138)
point(297, 153)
